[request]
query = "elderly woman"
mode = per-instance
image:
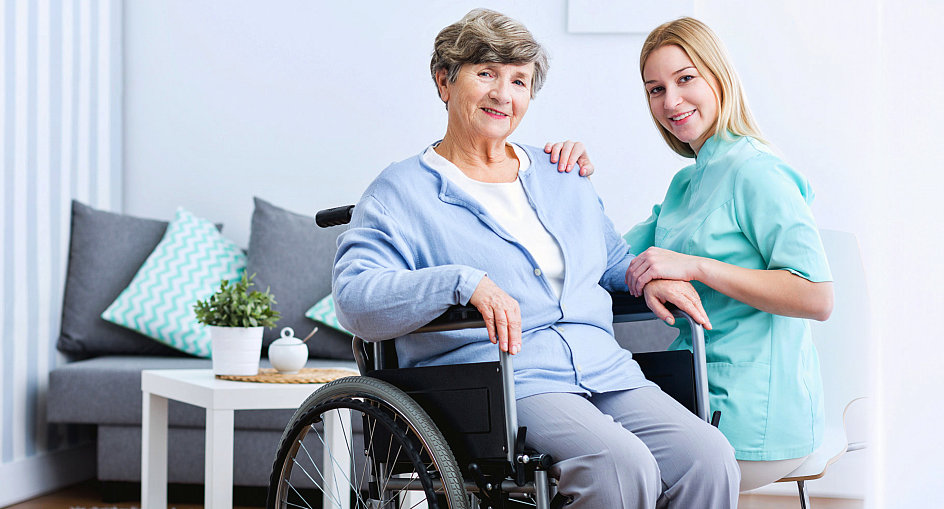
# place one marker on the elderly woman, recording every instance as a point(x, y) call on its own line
point(474, 219)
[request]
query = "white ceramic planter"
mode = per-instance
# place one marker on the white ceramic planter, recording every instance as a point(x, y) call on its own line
point(236, 350)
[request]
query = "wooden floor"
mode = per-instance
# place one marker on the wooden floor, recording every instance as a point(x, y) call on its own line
point(86, 495)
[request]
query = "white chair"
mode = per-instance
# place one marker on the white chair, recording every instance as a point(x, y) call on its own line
point(843, 346)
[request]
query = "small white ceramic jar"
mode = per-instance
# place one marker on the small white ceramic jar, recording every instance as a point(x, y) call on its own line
point(288, 354)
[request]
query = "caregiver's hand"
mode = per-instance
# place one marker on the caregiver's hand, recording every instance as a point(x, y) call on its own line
point(658, 263)
point(567, 153)
point(501, 313)
point(680, 293)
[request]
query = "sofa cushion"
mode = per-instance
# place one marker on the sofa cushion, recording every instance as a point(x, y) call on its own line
point(105, 251)
point(325, 312)
point(186, 266)
point(107, 390)
point(292, 257)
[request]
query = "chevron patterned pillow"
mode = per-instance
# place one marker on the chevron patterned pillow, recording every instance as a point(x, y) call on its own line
point(324, 312)
point(186, 266)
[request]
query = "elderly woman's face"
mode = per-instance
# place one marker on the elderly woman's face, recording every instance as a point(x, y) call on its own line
point(487, 101)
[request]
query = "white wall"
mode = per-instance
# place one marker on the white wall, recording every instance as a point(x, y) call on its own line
point(304, 102)
point(907, 269)
point(60, 138)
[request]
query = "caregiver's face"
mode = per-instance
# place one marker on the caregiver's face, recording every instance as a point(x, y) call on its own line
point(487, 101)
point(680, 98)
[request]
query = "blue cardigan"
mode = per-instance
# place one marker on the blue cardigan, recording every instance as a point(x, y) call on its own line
point(418, 244)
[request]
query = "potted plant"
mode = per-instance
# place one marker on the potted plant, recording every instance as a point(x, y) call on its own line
point(236, 317)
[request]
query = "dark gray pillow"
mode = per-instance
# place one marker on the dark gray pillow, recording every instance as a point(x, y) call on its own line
point(292, 257)
point(105, 252)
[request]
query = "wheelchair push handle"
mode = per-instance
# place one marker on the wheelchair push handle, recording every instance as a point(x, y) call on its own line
point(334, 217)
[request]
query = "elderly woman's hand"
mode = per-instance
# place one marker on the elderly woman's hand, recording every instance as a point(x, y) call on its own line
point(567, 153)
point(501, 313)
point(658, 263)
point(680, 293)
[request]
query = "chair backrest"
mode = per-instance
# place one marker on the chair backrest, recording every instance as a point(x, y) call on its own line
point(843, 341)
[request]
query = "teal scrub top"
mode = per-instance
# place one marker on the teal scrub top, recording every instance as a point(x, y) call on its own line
point(742, 205)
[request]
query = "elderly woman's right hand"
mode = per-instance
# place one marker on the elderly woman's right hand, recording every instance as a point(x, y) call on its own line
point(501, 313)
point(567, 153)
point(681, 293)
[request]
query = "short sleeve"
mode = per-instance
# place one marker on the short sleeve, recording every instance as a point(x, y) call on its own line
point(772, 208)
point(643, 235)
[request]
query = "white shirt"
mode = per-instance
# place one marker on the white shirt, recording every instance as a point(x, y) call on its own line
point(508, 204)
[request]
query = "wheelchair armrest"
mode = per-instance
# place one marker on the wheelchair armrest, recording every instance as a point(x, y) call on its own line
point(455, 318)
point(627, 308)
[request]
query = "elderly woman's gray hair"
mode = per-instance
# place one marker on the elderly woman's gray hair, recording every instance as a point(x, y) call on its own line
point(483, 36)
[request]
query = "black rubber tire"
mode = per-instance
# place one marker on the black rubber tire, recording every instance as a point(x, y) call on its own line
point(411, 427)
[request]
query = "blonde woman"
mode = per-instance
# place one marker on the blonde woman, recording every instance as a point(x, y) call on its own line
point(738, 225)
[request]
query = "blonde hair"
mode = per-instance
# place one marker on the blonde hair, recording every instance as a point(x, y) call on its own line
point(710, 58)
point(482, 36)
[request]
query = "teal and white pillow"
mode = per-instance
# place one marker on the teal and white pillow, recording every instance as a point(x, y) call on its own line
point(324, 312)
point(186, 266)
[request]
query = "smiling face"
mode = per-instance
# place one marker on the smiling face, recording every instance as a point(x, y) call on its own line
point(680, 97)
point(487, 101)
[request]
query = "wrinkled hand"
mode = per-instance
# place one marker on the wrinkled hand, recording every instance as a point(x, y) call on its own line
point(501, 313)
point(680, 293)
point(658, 263)
point(566, 153)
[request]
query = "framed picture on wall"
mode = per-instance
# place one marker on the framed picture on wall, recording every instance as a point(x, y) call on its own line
point(623, 17)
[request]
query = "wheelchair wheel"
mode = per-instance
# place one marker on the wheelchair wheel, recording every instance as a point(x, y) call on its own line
point(402, 461)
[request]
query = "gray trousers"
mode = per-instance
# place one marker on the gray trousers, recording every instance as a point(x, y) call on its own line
point(626, 449)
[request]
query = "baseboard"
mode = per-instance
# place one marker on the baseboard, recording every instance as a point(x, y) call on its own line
point(30, 477)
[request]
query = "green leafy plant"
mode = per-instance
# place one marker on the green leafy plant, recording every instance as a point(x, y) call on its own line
point(233, 305)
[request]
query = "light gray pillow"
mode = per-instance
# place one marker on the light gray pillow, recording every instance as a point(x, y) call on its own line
point(105, 251)
point(293, 257)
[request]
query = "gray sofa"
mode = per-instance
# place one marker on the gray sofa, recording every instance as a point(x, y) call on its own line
point(101, 385)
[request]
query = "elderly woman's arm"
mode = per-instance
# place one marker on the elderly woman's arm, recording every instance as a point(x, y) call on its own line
point(378, 294)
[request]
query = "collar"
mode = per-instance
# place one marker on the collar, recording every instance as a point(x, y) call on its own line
point(716, 145)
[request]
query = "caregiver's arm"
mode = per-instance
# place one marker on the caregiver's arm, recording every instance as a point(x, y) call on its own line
point(616, 279)
point(567, 153)
point(780, 292)
point(771, 207)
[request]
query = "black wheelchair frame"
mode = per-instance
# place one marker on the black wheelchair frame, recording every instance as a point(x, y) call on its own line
point(445, 436)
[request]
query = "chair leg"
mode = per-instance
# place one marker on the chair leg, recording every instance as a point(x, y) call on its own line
point(804, 496)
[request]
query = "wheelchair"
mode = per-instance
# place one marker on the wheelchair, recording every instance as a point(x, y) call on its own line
point(439, 436)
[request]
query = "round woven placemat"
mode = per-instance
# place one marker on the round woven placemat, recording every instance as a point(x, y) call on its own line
point(304, 376)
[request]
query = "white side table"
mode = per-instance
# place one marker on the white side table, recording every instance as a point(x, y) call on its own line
point(220, 398)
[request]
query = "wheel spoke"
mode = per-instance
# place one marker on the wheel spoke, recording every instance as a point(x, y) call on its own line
point(408, 464)
point(354, 486)
point(299, 496)
point(335, 500)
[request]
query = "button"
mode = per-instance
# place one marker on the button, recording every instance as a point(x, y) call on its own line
point(537, 272)
point(579, 368)
point(560, 329)
point(563, 307)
